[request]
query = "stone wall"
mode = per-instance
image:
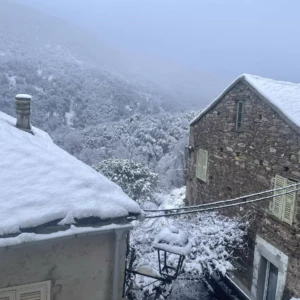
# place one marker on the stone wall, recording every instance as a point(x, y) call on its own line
point(245, 162)
point(78, 268)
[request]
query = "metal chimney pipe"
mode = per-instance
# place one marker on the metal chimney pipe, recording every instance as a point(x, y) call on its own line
point(23, 112)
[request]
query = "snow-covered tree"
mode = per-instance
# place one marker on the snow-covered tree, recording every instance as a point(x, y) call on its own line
point(136, 180)
point(213, 238)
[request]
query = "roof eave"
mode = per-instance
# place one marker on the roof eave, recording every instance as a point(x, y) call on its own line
point(88, 232)
point(243, 78)
point(274, 107)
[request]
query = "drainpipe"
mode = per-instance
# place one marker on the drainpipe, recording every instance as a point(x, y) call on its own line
point(116, 276)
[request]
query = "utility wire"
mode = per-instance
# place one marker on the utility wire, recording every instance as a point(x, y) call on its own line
point(223, 201)
point(222, 206)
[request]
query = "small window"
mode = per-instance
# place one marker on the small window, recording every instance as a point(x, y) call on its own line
point(240, 114)
point(35, 291)
point(201, 168)
point(282, 206)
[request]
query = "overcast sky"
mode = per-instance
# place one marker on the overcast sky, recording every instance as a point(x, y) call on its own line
point(218, 36)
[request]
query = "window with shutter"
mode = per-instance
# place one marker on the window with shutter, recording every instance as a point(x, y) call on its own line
point(198, 163)
point(283, 206)
point(35, 291)
point(288, 204)
point(31, 294)
point(280, 182)
point(201, 164)
point(8, 295)
point(205, 161)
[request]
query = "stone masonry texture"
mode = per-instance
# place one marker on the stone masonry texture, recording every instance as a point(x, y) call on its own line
point(244, 162)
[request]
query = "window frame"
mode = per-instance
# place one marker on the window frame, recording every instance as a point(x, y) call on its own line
point(266, 276)
point(279, 207)
point(280, 260)
point(239, 124)
point(15, 292)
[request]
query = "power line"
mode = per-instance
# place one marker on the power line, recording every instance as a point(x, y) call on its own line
point(222, 201)
point(220, 207)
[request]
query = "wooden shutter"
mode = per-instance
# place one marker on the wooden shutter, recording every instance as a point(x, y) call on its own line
point(34, 291)
point(199, 163)
point(38, 291)
point(289, 204)
point(34, 294)
point(201, 168)
point(204, 167)
point(9, 295)
point(278, 201)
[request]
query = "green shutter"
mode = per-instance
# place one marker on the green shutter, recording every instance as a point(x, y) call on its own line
point(289, 204)
point(204, 168)
point(201, 164)
point(198, 163)
point(278, 201)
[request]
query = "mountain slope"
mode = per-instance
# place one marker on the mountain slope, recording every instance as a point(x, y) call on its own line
point(87, 107)
point(91, 45)
point(68, 72)
point(29, 33)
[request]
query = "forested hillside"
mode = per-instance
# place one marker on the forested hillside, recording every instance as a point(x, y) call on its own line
point(95, 115)
point(76, 95)
point(157, 141)
point(92, 112)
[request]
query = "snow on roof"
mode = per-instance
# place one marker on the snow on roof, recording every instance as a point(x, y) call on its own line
point(24, 96)
point(173, 240)
point(283, 95)
point(40, 182)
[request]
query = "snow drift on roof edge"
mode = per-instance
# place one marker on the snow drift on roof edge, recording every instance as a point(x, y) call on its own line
point(283, 95)
point(40, 182)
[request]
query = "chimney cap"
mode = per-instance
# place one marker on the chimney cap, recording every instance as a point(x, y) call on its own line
point(23, 96)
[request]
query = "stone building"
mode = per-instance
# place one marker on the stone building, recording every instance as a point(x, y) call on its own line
point(63, 225)
point(247, 141)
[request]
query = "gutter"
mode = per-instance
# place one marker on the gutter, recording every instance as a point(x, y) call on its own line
point(90, 231)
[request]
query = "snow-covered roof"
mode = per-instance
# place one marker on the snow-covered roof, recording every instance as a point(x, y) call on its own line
point(285, 96)
point(40, 182)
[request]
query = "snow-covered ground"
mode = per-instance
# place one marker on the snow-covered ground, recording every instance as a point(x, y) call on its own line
point(213, 238)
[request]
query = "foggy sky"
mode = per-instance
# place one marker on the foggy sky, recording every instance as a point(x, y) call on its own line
point(218, 36)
